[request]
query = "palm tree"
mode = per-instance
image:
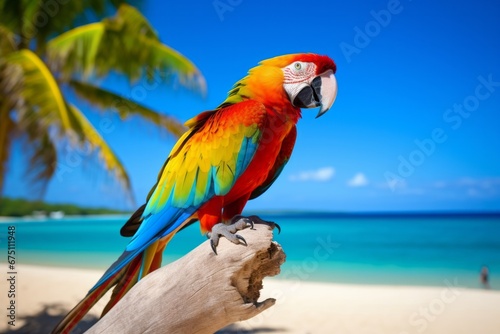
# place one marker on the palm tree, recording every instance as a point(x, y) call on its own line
point(40, 64)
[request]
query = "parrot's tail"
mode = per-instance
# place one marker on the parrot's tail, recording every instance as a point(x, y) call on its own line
point(123, 280)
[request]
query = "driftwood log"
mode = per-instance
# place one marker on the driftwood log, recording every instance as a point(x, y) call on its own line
point(201, 292)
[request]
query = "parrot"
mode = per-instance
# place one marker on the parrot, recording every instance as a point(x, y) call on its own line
point(228, 156)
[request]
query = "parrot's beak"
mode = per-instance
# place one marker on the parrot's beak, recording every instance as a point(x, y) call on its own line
point(325, 88)
point(320, 91)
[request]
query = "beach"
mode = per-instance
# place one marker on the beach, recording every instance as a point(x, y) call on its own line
point(45, 293)
point(384, 274)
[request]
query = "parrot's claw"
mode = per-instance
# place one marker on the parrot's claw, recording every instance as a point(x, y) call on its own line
point(258, 220)
point(241, 239)
point(214, 247)
point(238, 218)
point(237, 223)
point(229, 232)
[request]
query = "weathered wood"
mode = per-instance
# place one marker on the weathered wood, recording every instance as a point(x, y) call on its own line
point(201, 292)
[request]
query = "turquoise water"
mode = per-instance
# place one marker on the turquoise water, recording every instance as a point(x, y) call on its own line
point(402, 250)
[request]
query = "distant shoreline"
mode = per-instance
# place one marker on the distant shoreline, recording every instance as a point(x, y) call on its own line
point(11, 219)
point(20, 207)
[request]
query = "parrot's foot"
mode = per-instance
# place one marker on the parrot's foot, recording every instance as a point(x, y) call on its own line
point(258, 220)
point(229, 231)
point(237, 223)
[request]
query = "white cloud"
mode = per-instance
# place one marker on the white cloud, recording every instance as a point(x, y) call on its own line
point(393, 184)
point(473, 192)
point(358, 180)
point(412, 191)
point(320, 175)
point(485, 183)
point(469, 183)
point(440, 184)
point(467, 186)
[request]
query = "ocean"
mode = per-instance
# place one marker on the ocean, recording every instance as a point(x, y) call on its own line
point(432, 250)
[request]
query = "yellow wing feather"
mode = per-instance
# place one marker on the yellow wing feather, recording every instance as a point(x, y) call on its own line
point(204, 161)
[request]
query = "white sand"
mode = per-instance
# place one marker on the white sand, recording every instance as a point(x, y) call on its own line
point(302, 307)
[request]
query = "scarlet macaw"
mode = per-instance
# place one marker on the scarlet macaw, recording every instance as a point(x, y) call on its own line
point(229, 155)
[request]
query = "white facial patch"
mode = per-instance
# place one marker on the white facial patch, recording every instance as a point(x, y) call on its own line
point(299, 71)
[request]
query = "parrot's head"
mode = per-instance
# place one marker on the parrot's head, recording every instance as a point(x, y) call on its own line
point(303, 80)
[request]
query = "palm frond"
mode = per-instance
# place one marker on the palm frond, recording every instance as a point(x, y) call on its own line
point(89, 135)
point(125, 43)
point(76, 50)
point(7, 42)
point(42, 153)
point(39, 19)
point(29, 9)
point(107, 100)
point(38, 145)
point(166, 61)
point(39, 90)
point(11, 83)
point(11, 15)
point(129, 20)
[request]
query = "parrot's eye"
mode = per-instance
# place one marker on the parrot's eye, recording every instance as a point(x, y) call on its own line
point(298, 66)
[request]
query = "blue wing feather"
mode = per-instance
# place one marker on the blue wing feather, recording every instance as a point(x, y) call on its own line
point(153, 228)
point(247, 151)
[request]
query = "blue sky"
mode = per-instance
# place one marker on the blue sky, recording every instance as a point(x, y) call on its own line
point(416, 124)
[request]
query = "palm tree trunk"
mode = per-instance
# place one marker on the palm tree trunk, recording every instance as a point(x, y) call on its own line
point(6, 129)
